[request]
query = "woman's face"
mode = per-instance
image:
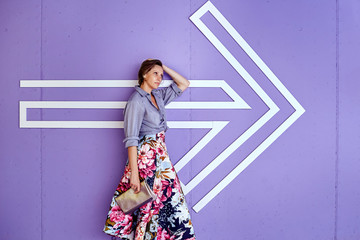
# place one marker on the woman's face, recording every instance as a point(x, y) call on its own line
point(154, 77)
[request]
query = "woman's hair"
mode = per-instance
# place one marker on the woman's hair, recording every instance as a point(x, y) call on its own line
point(145, 67)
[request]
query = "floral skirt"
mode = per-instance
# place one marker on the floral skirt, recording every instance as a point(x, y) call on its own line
point(168, 216)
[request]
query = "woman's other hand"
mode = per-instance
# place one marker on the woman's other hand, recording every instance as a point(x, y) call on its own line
point(134, 177)
point(135, 182)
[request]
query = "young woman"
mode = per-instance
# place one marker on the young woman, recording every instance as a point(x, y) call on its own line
point(168, 216)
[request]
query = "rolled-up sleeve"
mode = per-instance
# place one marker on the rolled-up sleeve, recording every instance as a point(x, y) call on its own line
point(170, 93)
point(133, 117)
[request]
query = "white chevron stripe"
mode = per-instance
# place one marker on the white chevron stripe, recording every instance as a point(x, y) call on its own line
point(299, 110)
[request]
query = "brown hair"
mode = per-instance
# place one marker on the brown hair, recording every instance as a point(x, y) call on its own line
point(145, 67)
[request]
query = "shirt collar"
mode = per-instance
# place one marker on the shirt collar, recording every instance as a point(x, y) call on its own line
point(141, 91)
point(144, 93)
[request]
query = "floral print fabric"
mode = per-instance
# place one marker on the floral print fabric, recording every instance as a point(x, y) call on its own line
point(168, 216)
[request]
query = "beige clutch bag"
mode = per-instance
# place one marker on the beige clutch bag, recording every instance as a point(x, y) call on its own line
point(129, 201)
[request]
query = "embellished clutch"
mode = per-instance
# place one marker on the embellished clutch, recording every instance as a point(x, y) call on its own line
point(129, 201)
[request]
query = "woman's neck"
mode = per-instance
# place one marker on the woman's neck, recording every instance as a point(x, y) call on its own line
point(146, 88)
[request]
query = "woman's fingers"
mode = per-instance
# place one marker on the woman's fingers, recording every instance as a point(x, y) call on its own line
point(136, 187)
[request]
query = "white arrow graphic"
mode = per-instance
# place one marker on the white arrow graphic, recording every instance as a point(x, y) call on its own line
point(215, 126)
point(273, 109)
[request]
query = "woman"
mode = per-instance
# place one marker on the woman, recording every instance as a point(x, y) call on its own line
point(168, 216)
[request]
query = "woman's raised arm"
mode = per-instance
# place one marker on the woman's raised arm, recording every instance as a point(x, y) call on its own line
point(180, 81)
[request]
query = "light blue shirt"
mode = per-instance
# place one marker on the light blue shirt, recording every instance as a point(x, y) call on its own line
point(141, 117)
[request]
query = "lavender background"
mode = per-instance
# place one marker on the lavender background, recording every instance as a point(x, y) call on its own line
point(58, 183)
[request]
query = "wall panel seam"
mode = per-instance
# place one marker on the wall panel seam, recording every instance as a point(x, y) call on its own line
point(337, 122)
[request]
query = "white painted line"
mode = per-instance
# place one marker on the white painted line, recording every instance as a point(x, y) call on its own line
point(237, 103)
point(216, 127)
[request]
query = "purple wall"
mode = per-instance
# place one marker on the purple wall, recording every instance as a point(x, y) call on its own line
point(57, 183)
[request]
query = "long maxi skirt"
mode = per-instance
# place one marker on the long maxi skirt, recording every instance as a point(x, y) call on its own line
point(168, 216)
